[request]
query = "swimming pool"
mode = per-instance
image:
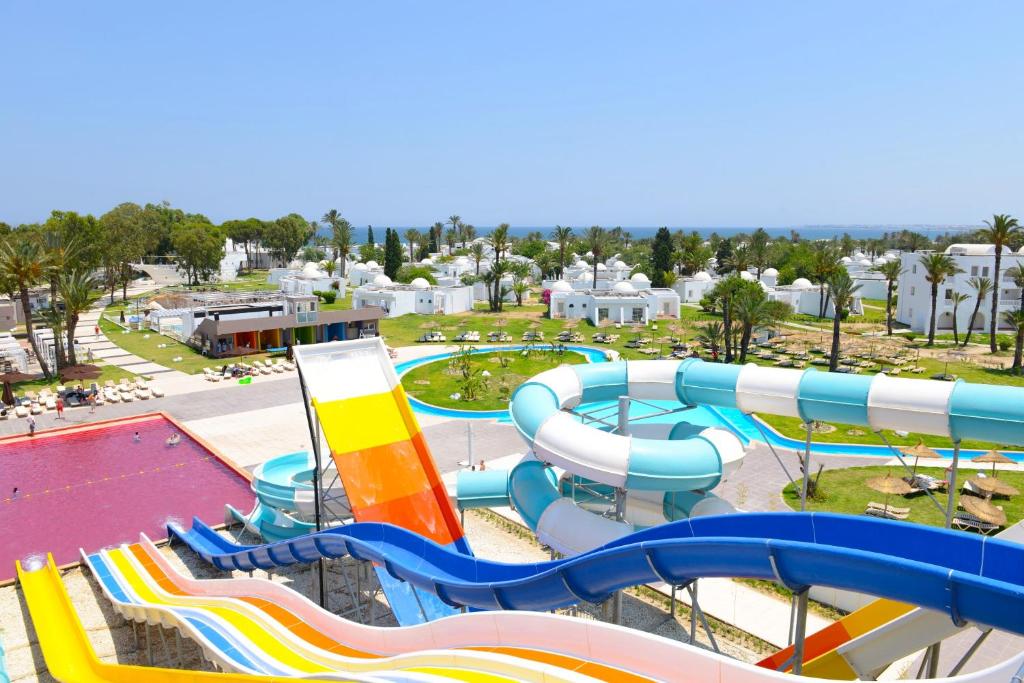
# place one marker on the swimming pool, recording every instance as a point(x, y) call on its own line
point(746, 427)
point(96, 485)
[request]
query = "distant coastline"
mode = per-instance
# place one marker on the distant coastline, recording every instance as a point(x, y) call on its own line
point(809, 232)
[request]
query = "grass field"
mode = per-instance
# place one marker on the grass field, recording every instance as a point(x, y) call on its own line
point(146, 344)
point(436, 382)
point(845, 491)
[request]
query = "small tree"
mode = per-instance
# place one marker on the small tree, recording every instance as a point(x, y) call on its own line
point(1015, 319)
point(981, 286)
point(958, 298)
point(392, 253)
point(891, 271)
point(200, 248)
point(937, 268)
point(841, 289)
point(661, 258)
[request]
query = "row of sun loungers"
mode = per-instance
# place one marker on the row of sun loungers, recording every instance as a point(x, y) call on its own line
point(257, 367)
point(111, 392)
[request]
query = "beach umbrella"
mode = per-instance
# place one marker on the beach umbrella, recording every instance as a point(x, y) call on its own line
point(919, 451)
point(9, 378)
point(80, 372)
point(889, 485)
point(984, 510)
point(992, 486)
point(994, 457)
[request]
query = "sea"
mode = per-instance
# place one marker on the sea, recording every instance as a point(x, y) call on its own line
point(806, 232)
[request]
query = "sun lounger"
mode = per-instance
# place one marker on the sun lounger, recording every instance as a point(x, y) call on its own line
point(925, 482)
point(156, 390)
point(21, 411)
point(877, 510)
point(968, 522)
point(142, 394)
point(140, 383)
point(36, 409)
point(892, 508)
point(111, 396)
point(276, 367)
point(127, 396)
point(50, 403)
point(288, 365)
point(264, 369)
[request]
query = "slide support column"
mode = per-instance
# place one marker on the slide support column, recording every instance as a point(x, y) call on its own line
point(951, 486)
point(318, 492)
point(801, 631)
point(620, 500)
point(807, 470)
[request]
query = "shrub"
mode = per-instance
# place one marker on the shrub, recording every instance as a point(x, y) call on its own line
point(910, 336)
point(1003, 343)
point(329, 296)
point(409, 273)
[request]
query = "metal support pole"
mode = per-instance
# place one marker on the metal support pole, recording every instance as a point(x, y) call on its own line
point(801, 631)
point(314, 433)
point(693, 612)
point(135, 634)
point(163, 641)
point(807, 470)
point(933, 661)
point(617, 607)
point(469, 443)
point(951, 486)
point(149, 645)
point(970, 653)
point(177, 648)
point(672, 603)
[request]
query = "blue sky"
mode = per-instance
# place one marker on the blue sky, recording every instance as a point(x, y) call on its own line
point(534, 113)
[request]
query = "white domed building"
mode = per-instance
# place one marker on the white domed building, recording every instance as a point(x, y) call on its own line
point(627, 301)
point(770, 276)
point(693, 288)
point(311, 278)
point(418, 296)
point(363, 273)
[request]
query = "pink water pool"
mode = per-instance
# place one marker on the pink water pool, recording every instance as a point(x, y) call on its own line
point(94, 486)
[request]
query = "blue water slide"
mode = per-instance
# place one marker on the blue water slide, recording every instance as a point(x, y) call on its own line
point(970, 578)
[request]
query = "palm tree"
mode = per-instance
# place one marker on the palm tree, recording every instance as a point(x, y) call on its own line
point(499, 241)
point(341, 237)
point(413, 237)
point(24, 262)
point(754, 310)
point(1017, 273)
point(739, 260)
point(59, 255)
point(711, 335)
point(476, 251)
point(329, 267)
point(450, 237)
point(77, 290)
point(725, 292)
point(562, 235)
point(841, 290)
point(596, 239)
point(696, 259)
point(891, 271)
point(468, 234)
point(456, 222)
point(937, 267)
point(520, 272)
point(998, 232)
point(957, 299)
point(824, 264)
point(981, 286)
point(1015, 319)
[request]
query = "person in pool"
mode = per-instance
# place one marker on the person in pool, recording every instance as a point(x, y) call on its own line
point(174, 439)
point(136, 437)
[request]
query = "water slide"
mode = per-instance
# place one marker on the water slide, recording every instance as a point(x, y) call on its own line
point(539, 411)
point(966, 577)
point(69, 655)
point(257, 635)
point(381, 456)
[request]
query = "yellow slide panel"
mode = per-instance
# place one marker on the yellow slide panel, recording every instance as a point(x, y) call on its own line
point(68, 653)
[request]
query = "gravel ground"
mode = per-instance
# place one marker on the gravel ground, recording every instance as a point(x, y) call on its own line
point(115, 640)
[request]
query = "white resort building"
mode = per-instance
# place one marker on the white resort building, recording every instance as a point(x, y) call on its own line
point(913, 307)
point(628, 301)
point(419, 296)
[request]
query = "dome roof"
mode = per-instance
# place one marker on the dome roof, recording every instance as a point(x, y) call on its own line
point(461, 261)
point(295, 265)
point(601, 266)
point(802, 283)
point(881, 260)
point(561, 286)
point(382, 280)
point(370, 265)
point(584, 277)
point(702, 276)
point(864, 262)
point(624, 287)
point(359, 266)
point(746, 275)
point(418, 283)
point(770, 272)
point(620, 265)
point(639, 277)
point(310, 271)
point(427, 262)
point(846, 259)
point(858, 254)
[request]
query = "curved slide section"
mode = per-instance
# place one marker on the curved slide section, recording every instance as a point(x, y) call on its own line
point(970, 578)
point(247, 635)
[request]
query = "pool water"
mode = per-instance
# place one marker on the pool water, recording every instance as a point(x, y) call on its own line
point(95, 486)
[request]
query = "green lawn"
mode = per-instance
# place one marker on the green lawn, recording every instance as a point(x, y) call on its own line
point(793, 428)
point(145, 344)
point(108, 372)
point(844, 490)
point(436, 382)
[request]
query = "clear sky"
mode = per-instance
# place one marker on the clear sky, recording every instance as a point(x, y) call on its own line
point(534, 113)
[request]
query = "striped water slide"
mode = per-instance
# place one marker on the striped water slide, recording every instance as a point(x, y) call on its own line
point(381, 455)
point(259, 636)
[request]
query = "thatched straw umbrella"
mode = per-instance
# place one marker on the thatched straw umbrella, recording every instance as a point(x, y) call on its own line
point(919, 451)
point(993, 487)
point(889, 485)
point(984, 510)
point(994, 457)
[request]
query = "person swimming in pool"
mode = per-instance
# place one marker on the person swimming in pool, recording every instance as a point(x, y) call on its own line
point(136, 437)
point(174, 439)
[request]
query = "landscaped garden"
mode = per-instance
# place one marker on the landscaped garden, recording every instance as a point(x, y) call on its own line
point(481, 381)
point(846, 491)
